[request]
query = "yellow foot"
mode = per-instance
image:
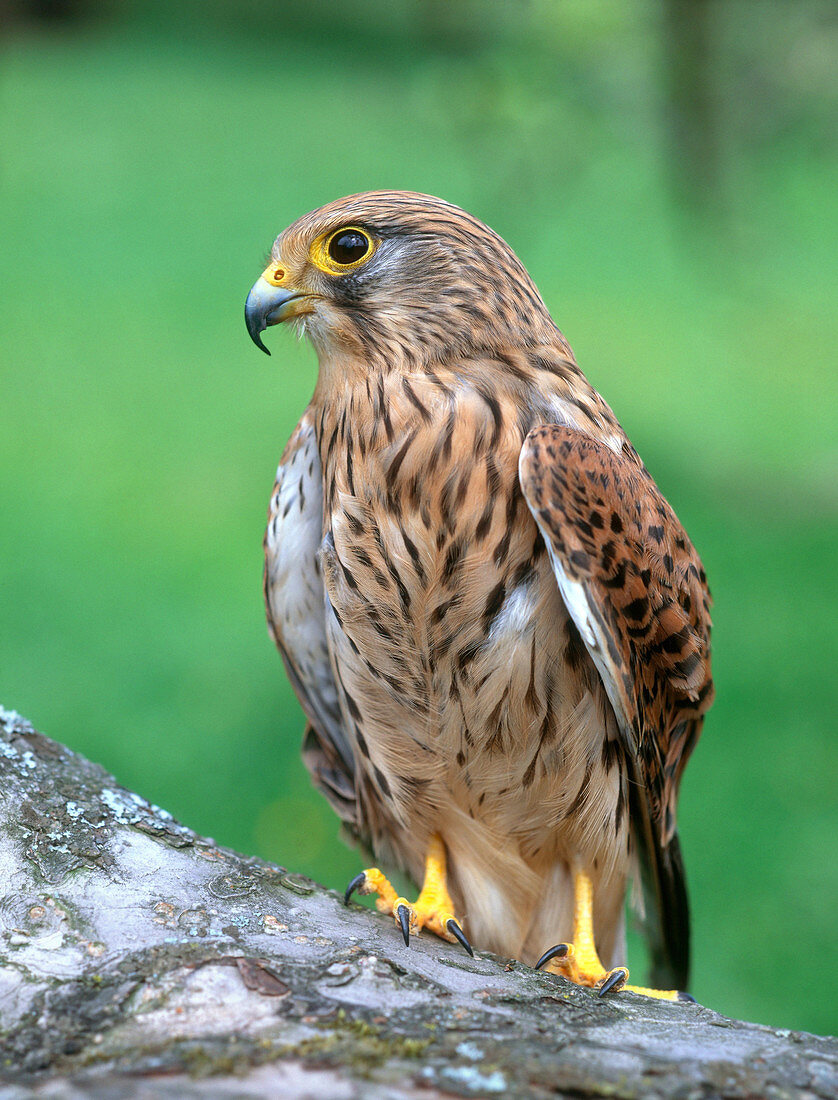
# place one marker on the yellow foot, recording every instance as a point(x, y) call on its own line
point(579, 960)
point(432, 909)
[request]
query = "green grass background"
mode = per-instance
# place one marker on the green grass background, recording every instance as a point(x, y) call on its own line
point(147, 165)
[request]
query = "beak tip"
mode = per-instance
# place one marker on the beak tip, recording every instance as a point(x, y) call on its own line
point(264, 308)
point(255, 325)
point(257, 339)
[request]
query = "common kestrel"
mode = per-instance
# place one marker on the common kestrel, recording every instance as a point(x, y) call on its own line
point(495, 624)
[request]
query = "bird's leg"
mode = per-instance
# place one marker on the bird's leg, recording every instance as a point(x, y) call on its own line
point(580, 961)
point(433, 908)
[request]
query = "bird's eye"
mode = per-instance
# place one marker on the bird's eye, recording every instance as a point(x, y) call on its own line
point(348, 246)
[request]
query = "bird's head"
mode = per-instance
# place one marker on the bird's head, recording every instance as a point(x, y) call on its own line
point(396, 276)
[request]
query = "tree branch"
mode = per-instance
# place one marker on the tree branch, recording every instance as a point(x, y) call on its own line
point(140, 958)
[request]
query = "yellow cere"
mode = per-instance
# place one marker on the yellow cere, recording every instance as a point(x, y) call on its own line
point(274, 274)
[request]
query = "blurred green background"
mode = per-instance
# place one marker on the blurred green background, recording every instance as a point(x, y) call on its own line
point(668, 173)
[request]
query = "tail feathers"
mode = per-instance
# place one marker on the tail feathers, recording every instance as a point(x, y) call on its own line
point(667, 912)
point(668, 928)
point(679, 909)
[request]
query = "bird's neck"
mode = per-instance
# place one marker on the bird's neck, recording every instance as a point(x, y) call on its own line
point(365, 412)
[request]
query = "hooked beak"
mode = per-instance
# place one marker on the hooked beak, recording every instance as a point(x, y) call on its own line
point(269, 304)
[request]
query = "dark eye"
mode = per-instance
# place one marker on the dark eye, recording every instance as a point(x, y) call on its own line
point(348, 246)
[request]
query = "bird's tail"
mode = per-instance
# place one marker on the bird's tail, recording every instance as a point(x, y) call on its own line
point(666, 908)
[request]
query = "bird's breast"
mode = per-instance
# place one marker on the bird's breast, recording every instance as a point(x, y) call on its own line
point(460, 671)
point(436, 576)
point(429, 528)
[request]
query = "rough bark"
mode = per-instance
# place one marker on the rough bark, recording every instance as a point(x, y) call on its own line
point(140, 960)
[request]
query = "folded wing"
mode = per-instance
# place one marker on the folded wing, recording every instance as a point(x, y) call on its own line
point(636, 590)
point(296, 610)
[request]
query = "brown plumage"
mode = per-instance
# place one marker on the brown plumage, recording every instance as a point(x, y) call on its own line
point(496, 625)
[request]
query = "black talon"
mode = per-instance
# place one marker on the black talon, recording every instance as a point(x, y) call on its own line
point(357, 882)
point(614, 981)
point(459, 935)
point(404, 921)
point(687, 997)
point(557, 952)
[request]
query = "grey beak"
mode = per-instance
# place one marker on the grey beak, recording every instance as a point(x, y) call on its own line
point(264, 307)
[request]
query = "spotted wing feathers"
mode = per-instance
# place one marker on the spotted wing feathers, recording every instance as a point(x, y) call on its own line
point(636, 590)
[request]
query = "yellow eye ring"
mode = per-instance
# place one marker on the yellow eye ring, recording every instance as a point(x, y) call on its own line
point(343, 249)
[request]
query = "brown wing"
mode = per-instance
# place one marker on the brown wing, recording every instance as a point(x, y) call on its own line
point(296, 609)
point(636, 590)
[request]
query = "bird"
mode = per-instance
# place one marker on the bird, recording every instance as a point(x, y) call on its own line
point(496, 626)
